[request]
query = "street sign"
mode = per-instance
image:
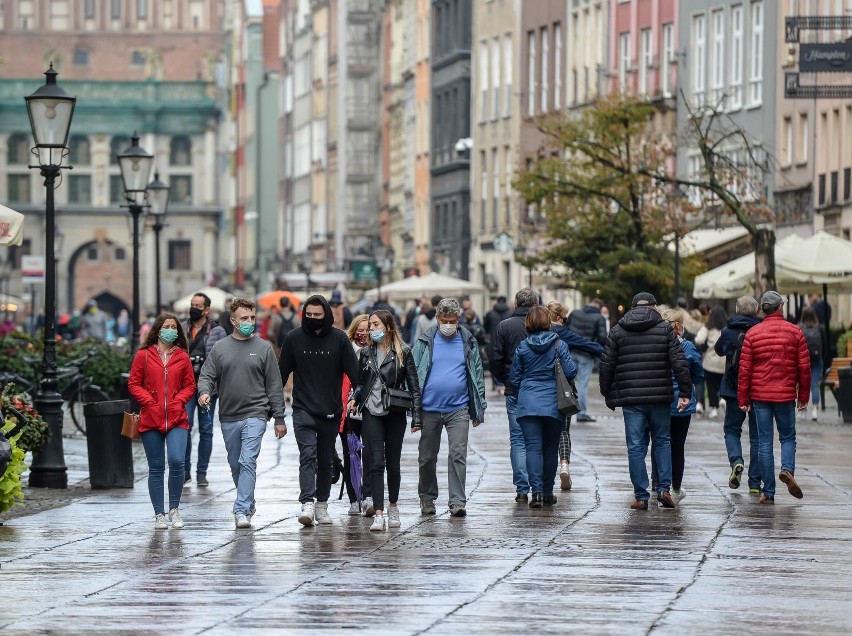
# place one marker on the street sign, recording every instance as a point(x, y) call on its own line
point(364, 271)
point(32, 270)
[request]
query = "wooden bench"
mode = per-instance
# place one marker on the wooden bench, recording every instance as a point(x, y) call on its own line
point(832, 379)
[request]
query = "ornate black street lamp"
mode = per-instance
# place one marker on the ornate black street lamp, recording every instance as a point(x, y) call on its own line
point(50, 110)
point(135, 165)
point(158, 194)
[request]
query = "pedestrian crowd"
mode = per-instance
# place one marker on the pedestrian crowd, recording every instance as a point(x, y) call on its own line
point(370, 383)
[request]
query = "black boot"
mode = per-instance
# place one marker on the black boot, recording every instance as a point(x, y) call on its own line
point(537, 500)
point(550, 500)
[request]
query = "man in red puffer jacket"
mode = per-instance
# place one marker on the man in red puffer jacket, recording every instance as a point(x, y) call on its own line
point(775, 372)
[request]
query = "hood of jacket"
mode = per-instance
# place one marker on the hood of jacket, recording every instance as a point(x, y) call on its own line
point(502, 308)
point(328, 321)
point(640, 319)
point(741, 322)
point(542, 341)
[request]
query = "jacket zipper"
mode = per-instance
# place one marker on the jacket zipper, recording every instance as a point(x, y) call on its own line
point(166, 394)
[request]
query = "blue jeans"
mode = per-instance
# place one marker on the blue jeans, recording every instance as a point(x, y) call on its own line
point(517, 448)
point(156, 446)
point(767, 415)
point(733, 428)
point(585, 365)
point(205, 434)
point(541, 436)
point(816, 376)
point(641, 424)
point(242, 441)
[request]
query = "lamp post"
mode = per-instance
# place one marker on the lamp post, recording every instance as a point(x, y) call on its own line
point(135, 165)
point(158, 192)
point(50, 110)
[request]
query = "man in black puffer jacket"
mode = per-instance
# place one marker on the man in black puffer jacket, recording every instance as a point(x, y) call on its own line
point(640, 355)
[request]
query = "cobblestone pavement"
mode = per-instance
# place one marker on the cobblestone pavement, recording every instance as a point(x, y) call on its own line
point(89, 561)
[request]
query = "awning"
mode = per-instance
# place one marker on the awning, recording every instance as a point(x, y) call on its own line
point(11, 226)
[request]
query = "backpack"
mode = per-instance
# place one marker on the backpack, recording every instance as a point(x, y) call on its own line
point(732, 365)
point(813, 338)
point(287, 325)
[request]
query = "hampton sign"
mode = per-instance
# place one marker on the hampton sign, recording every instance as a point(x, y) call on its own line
point(822, 58)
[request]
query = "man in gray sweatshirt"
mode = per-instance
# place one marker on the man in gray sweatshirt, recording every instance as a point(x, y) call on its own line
point(244, 371)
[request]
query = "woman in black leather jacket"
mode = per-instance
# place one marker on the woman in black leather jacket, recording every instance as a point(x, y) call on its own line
point(386, 363)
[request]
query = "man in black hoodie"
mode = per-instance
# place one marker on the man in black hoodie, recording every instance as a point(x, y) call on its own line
point(640, 355)
point(318, 355)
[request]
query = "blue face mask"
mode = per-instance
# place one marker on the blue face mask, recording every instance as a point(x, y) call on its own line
point(168, 335)
point(378, 335)
point(246, 328)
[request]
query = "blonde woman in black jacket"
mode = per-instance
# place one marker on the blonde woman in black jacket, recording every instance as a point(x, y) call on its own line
point(385, 364)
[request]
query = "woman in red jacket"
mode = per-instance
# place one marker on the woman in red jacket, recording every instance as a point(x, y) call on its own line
point(161, 380)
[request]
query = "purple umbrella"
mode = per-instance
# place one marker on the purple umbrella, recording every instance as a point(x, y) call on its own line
point(356, 473)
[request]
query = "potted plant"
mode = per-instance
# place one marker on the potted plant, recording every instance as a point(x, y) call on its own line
point(844, 344)
point(30, 435)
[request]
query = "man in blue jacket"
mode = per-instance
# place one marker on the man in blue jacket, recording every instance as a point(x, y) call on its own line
point(449, 370)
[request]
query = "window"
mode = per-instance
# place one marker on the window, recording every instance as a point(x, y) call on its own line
point(699, 47)
point(92, 253)
point(495, 193)
point(115, 12)
point(545, 79)
point(557, 66)
point(623, 60)
point(81, 151)
point(79, 188)
point(302, 151)
point(318, 155)
point(531, 68)
point(18, 149)
point(302, 75)
point(507, 74)
point(668, 58)
point(137, 58)
point(120, 254)
point(736, 71)
point(197, 15)
point(181, 189)
point(483, 81)
point(59, 15)
point(180, 254)
point(847, 184)
point(116, 189)
point(18, 188)
point(787, 142)
point(717, 82)
point(117, 145)
point(755, 81)
point(483, 188)
point(81, 57)
point(180, 151)
point(495, 78)
point(26, 14)
point(89, 9)
point(645, 60)
point(803, 139)
point(142, 9)
point(507, 157)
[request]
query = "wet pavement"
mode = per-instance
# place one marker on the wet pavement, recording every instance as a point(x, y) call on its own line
point(718, 564)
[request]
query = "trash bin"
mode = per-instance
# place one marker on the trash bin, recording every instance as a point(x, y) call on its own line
point(110, 454)
point(844, 393)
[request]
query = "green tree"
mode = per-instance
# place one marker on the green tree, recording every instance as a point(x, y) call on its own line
point(595, 192)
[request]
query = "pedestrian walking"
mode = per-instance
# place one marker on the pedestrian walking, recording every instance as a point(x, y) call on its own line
point(359, 335)
point(493, 317)
point(426, 319)
point(714, 364)
point(729, 345)
point(640, 354)
point(589, 323)
point(318, 355)
point(817, 352)
point(508, 335)
point(577, 344)
point(385, 364)
point(202, 333)
point(93, 324)
point(679, 418)
point(161, 381)
point(449, 371)
point(775, 381)
point(536, 361)
point(242, 369)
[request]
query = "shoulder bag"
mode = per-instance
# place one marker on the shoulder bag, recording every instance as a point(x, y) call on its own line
point(393, 399)
point(130, 423)
point(566, 393)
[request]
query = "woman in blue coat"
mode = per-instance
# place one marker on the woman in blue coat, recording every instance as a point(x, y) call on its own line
point(541, 422)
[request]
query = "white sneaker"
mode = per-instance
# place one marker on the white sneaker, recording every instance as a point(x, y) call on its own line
point(714, 413)
point(321, 513)
point(378, 524)
point(354, 509)
point(565, 477)
point(251, 512)
point(307, 516)
point(242, 521)
point(814, 413)
point(699, 408)
point(160, 522)
point(393, 517)
point(678, 495)
point(174, 517)
point(367, 509)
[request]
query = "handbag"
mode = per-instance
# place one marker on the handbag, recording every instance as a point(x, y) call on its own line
point(130, 423)
point(566, 392)
point(393, 399)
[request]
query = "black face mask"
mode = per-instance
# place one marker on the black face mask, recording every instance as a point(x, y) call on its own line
point(313, 324)
point(195, 313)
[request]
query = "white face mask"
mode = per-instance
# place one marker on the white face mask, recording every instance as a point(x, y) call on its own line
point(448, 330)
